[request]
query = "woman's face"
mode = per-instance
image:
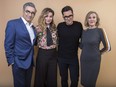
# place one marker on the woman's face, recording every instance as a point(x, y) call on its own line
point(92, 19)
point(48, 18)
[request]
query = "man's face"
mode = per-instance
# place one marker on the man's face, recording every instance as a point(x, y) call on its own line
point(29, 13)
point(68, 17)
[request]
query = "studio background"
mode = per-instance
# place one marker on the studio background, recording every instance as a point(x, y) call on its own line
point(11, 9)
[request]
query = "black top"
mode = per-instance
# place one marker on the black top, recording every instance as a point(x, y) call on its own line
point(69, 39)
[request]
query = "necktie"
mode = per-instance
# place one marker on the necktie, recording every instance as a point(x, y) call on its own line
point(49, 37)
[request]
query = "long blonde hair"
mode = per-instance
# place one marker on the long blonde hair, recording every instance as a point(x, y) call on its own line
point(41, 20)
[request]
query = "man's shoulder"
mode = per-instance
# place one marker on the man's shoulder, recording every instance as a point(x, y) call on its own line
point(61, 23)
point(14, 20)
point(77, 22)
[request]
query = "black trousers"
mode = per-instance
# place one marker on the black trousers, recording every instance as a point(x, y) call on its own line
point(73, 66)
point(46, 68)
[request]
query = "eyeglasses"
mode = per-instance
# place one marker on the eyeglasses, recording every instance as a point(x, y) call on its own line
point(66, 17)
point(29, 12)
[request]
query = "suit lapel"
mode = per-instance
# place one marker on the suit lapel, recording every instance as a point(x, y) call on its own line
point(34, 34)
point(25, 30)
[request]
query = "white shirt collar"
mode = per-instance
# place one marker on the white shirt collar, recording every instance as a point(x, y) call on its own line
point(25, 22)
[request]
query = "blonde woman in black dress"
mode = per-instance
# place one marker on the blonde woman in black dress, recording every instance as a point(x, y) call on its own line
point(91, 53)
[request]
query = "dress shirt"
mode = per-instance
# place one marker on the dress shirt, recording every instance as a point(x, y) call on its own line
point(29, 29)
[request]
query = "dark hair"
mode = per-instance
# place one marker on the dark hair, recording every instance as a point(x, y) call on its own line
point(66, 8)
point(29, 4)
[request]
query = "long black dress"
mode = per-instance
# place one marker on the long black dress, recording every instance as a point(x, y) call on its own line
point(91, 55)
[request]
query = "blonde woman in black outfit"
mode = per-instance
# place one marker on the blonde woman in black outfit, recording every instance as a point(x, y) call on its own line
point(91, 53)
point(69, 33)
point(46, 63)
